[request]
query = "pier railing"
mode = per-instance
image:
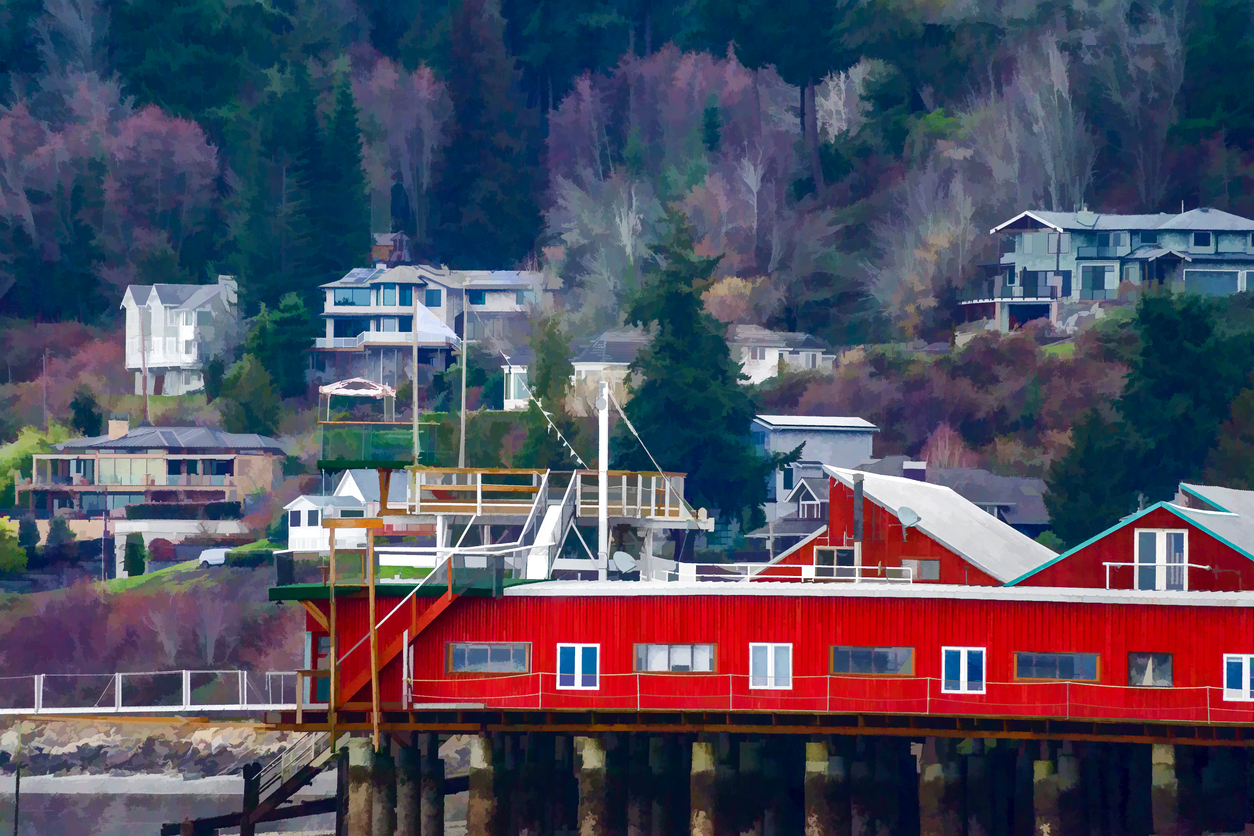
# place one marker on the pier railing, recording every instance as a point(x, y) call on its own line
point(836, 693)
point(148, 692)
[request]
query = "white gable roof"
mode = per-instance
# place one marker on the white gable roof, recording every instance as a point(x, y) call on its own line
point(959, 525)
point(815, 422)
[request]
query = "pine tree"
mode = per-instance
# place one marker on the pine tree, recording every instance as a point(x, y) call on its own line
point(1230, 462)
point(249, 403)
point(549, 380)
point(340, 198)
point(1092, 486)
point(690, 408)
point(486, 192)
point(271, 338)
point(85, 414)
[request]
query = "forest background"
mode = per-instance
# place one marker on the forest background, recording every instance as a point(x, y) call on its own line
point(843, 160)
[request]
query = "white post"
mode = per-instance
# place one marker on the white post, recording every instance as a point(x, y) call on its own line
point(461, 443)
point(187, 689)
point(243, 688)
point(39, 693)
point(603, 481)
point(413, 376)
point(406, 672)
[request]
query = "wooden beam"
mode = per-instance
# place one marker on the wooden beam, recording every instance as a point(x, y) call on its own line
point(317, 615)
point(374, 636)
point(370, 524)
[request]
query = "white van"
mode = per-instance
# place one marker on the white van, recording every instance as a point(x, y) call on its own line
point(213, 557)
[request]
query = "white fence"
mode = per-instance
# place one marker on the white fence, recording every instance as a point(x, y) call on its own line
point(148, 692)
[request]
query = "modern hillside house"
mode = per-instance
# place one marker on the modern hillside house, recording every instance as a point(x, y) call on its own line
point(152, 464)
point(762, 352)
point(1048, 258)
point(179, 327)
point(371, 314)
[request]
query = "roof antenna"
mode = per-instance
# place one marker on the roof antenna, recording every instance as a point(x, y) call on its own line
point(1181, 206)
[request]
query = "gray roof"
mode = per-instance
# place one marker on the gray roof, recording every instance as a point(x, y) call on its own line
point(614, 347)
point(789, 525)
point(757, 335)
point(325, 501)
point(367, 482)
point(357, 276)
point(188, 296)
point(1150, 253)
point(1203, 220)
point(956, 523)
point(1021, 498)
point(819, 486)
point(200, 439)
point(815, 422)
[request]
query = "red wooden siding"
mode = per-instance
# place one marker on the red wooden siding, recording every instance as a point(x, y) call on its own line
point(882, 542)
point(1197, 637)
point(1230, 571)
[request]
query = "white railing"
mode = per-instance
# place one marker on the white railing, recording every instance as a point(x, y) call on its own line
point(388, 337)
point(664, 570)
point(148, 692)
point(635, 494)
point(1177, 573)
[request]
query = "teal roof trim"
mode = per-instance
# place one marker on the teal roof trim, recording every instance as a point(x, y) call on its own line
point(1090, 541)
point(1220, 538)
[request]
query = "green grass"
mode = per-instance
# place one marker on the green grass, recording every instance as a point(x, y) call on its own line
point(262, 544)
point(406, 572)
point(169, 576)
point(1064, 351)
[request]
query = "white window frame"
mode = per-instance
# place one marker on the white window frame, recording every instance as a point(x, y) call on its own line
point(964, 670)
point(757, 352)
point(1161, 566)
point(1246, 694)
point(772, 677)
point(580, 649)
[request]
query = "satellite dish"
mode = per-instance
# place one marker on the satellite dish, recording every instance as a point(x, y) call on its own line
point(909, 518)
point(624, 562)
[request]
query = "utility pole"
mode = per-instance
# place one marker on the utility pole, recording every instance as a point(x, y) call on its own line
point(603, 481)
point(461, 444)
point(413, 377)
point(143, 359)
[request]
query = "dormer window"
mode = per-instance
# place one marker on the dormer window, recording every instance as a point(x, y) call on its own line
point(1201, 239)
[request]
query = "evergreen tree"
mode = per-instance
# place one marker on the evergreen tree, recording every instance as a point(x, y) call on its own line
point(134, 555)
point(1179, 390)
point(339, 199)
point(486, 192)
point(28, 534)
point(85, 415)
point(271, 338)
point(249, 403)
point(549, 380)
point(1230, 462)
point(1093, 485)
point(690, 407)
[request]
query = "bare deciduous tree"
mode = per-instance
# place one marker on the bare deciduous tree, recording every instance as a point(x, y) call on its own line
point(1065, 147)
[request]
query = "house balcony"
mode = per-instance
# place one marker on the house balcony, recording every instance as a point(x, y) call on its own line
point(392, 338)
point(981, 292)
point(1097, 252)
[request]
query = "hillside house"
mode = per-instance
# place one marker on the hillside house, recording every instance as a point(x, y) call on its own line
point(152, 464)
point(371, 314)
point(827, 439)
point(1200, 541)
point(762, 352)
point(172, 329)
point(1018, 501)
point(1052, 257)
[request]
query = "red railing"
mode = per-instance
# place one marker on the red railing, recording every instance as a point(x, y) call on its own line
point(836, 695)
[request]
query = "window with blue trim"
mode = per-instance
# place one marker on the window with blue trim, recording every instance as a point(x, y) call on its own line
point(432, 298)
point(578, 667)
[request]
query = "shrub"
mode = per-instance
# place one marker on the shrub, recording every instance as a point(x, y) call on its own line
point(231, 510)
point(250, 558)
point(135, 555)
point(161, 549)
point(184, 511)
point(12, 554)
point(27, 533)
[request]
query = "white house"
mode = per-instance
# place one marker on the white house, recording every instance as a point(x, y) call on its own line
point(371, 314)
point(829, 440)
point(179, 327)
point(356, 495)
point(761, 351)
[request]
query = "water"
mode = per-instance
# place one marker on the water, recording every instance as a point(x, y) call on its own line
point(137, 805)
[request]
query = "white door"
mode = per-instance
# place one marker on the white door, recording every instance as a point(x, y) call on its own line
point(1161, 560)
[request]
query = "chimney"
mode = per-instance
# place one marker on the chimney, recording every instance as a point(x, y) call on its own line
point(857, 507)
point(857, 519)
point(914, 470)
point(118, 428)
